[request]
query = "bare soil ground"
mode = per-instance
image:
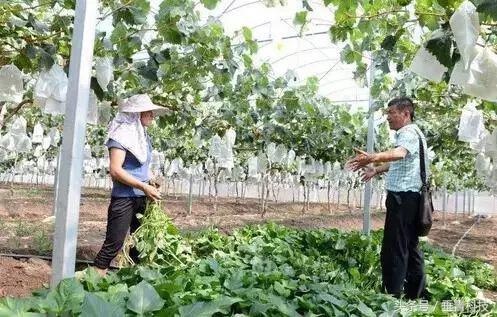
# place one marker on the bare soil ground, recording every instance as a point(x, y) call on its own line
point(26, 228)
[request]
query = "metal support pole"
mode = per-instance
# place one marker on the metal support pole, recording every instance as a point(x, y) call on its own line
point(190, 194)
point(456, 203)
point(69, 188)
point(444, 206)
point(56, 183)
point(368, 188)
point(473, 203)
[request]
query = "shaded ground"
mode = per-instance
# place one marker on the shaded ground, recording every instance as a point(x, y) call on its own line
point(26, 228)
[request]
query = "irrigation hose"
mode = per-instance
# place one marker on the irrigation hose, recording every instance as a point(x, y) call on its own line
point(477, 220)
point(44, 257)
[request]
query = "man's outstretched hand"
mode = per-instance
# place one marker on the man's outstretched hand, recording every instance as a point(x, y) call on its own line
point(367, 173)
point(359, 161)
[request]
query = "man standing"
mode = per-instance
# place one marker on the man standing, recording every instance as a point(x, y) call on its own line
point(401, 259)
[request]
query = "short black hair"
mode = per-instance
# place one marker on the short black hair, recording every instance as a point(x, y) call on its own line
point(403, 103)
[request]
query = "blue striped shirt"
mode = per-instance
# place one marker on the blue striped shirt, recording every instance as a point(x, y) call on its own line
point(404, 175)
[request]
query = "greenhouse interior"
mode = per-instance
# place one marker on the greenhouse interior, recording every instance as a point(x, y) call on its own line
point(248, 158)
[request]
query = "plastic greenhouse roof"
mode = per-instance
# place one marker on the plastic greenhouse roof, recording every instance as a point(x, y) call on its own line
point(281, 46)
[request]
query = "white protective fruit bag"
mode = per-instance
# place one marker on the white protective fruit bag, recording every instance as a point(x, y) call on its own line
point(37, 137)
point(230, 137)
point(482, 165)
point(427, 66)
point(7, 142)
point(23, 143)
point(225, 158)
point(465, 25)
point(482, 82)
point(92, 115)
point(18, 127)
point(252, 166)
point(290, 158)
point(280, 153)
point(270, 151)
point(491, 145)
point(11, 84)
point(104, 71)
point(104, 112)
point(471, 124)
point(215, 147)
point(51, 90)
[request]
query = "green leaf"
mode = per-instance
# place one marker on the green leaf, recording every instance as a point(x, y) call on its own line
point(143, 298)
point(119, 34)
point(149, 274)
point(365, 310)
point(488, 8)
point(350, 56)
point(306, 5)
point(66, 297)
point(332, 300)
point(100, 93)
point(428, 12)
point(209, 4)
point(339, 33)
point(234, 281)
point(300, 18)
point(247, 34)
point(283, 306)
point(440, 45)
point(69, 4)
point(340, 244)
point(17, 307)
point(96, 306)
point(207, 309)
point(46, 60)
point(389, 41)
point(259, 308)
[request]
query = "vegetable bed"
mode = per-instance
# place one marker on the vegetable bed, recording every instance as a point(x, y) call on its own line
point(265, 270)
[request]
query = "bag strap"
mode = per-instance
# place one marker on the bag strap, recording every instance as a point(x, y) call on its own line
point(422, 166)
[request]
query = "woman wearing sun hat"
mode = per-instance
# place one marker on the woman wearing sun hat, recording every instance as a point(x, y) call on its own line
point(129, 154)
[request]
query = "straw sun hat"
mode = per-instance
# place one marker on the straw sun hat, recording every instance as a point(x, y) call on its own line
point(141, 103)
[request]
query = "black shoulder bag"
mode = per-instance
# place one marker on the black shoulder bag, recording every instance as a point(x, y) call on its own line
point(424, 220)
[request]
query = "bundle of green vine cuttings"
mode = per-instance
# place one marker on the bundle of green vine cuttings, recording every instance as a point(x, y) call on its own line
point(157, 240)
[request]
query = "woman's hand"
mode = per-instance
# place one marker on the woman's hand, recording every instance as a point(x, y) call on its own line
point(151, 192)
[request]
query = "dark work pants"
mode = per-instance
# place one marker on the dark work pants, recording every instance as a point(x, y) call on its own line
point(402, 263)
point(121, 216)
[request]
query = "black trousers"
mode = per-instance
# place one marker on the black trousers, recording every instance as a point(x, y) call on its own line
point(402, 263)
point(121, 216)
